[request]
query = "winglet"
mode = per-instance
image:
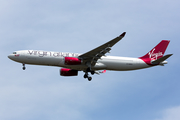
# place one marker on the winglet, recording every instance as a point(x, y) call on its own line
point(123, 34)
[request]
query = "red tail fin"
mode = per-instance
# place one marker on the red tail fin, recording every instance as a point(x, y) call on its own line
point(158, 51)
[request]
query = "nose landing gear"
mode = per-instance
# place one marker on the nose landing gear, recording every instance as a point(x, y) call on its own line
point(24, 67)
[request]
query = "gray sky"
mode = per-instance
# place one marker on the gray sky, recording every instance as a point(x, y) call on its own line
point(78, 26)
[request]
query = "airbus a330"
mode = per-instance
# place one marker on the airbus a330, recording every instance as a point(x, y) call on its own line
point(94, 61)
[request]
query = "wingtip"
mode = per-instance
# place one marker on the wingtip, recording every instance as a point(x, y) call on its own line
point(123, 34)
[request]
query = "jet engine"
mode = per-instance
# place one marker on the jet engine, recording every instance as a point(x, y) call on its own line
point(68, 72)
point(72, 61)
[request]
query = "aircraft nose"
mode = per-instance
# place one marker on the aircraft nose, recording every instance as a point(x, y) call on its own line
point(10, 56)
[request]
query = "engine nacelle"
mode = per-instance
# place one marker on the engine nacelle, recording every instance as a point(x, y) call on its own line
point(68, 72)
point(72, 61)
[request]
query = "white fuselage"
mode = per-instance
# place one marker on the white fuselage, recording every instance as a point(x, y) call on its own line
point(49, 58)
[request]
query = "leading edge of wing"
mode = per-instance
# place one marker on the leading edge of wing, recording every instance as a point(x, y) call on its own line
point(97, 50)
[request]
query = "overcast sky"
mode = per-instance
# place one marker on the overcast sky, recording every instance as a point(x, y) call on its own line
point(40, 93)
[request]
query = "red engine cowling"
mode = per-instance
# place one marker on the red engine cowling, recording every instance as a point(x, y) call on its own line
point(68, 72)
point(72, 61)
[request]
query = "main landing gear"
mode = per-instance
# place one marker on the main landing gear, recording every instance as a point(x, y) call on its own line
point(86, 75)
point(24, 67)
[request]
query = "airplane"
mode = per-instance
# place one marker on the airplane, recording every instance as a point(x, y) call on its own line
point(93, 61)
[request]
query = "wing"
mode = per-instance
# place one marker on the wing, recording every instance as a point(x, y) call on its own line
point(95, 54)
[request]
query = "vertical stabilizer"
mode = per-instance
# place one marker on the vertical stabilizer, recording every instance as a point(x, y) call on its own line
point(157, 52)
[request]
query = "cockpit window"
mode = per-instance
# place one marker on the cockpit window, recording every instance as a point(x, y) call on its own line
point(14, 52)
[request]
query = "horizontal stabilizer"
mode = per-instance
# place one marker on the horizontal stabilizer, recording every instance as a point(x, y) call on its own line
point(161, 59)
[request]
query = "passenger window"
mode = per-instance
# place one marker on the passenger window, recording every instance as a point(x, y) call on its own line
point(14, 52)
